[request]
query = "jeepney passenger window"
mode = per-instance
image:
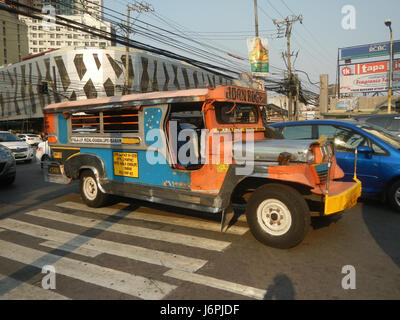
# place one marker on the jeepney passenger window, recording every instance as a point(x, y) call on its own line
point(121, 121)
point(85, 122)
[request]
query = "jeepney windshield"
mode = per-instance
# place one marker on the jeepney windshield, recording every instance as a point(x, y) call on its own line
point(231, 113)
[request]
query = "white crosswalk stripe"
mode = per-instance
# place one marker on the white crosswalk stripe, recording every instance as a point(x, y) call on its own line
point(138, 215)
point(69, 248)
point(217, 283)
point(131, 284)
point(26, 291)
point(156, 257)
point(172, 237)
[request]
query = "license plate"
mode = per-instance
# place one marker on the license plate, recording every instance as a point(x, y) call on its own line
point(54, 170)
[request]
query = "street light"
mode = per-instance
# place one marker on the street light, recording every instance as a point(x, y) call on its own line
point(388, 23)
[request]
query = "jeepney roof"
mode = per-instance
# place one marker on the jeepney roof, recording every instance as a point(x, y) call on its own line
point(220, 93)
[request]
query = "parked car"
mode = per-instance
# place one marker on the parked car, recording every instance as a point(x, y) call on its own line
point(20, 149)
point(390, 122)
point(378, 159)
point(7, 166)
point(31, 139)
point(43, 152)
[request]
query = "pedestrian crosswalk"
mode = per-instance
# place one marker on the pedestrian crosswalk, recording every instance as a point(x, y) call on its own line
point(88, 248)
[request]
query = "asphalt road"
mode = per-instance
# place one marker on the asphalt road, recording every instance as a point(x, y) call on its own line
point(138, 250)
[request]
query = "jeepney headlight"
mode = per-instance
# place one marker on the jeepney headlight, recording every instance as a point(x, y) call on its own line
point(310, 157)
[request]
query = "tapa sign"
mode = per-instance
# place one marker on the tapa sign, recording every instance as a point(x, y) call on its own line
point(369, 77)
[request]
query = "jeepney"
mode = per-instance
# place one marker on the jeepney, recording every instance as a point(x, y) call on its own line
point(198, 149)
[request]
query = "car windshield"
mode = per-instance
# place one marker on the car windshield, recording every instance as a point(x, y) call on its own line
point(382, 134)
point(8, 137)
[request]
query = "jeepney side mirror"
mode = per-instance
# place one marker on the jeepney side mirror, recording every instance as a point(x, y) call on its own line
point(367, 151)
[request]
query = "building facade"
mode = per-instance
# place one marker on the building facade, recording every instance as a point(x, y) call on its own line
point(13, 38)
point(72, 7)
point(79, 74)
point(42, 38)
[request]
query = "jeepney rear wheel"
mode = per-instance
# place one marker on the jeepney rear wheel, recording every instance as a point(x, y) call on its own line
point(90, 191)
point(278, 215)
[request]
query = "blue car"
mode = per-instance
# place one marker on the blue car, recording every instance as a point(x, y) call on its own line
point(378, 160)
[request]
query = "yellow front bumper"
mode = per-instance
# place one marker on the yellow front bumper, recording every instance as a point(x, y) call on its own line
point(344, 200)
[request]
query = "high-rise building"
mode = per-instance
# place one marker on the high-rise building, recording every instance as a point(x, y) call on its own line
point(42, 38)
point(13, 37)
point(72, 7)
point(28, 3)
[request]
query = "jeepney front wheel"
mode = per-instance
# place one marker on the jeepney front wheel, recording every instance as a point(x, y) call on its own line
point(278, 215)
point(90, 192)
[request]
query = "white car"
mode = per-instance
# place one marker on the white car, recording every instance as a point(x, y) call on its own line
point(20, 149)
point(31, 139)
point(43, 152)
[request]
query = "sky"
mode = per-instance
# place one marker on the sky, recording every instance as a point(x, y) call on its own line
point(316, 40)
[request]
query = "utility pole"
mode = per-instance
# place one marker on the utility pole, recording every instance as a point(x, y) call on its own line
point(138, 7)
point(288, 22)
point(256, 17)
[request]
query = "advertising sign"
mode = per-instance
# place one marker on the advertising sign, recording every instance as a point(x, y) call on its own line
point(369, 50)
point(369, 77)
point(259, 56)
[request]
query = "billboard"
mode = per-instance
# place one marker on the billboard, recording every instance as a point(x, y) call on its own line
point(369, 50)
point(259, 56)
point(369, 77)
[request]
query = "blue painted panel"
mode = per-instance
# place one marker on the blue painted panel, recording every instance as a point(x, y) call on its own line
point(62, 129)
point(152, 120)
point(157, 174)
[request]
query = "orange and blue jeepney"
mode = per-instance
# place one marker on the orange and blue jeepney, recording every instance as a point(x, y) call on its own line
point(200, 149)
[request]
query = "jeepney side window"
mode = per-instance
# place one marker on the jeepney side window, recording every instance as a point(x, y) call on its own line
point(121, 121)
point(85, 122)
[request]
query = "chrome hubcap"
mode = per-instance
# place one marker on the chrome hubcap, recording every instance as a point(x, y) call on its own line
point(90, 188)
point(274, 217)
point(397, 196)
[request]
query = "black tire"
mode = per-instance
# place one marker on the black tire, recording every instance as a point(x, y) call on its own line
point(278, 215)
point(90, 191)
point(45, 157)
point(394, 195)
point(8, 181)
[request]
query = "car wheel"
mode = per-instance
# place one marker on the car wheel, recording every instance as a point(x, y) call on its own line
point(90, 191)
point(278, 216)
point(44, 158)
point(394, 195)
point(8, 181)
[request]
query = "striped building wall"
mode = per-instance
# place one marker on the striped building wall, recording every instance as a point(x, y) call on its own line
point(78, 74)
